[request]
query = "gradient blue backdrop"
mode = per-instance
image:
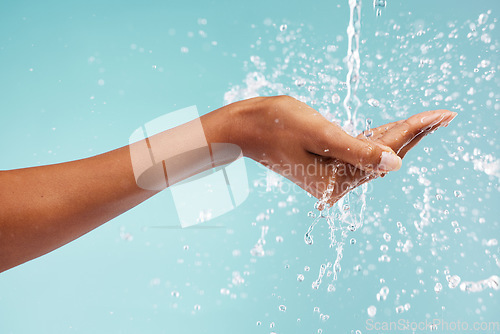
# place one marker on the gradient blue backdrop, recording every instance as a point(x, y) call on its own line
point(54, 108)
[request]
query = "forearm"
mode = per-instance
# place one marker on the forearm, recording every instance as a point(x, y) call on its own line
point(43, 208)
point(46, 207)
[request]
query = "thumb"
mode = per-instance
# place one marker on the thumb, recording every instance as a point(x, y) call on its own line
point(365, 154)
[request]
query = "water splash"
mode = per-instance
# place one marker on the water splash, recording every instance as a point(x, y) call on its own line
point(433, 198)
point(322, 271)
point(492, 282)
point(258, 249)
point(349, 210)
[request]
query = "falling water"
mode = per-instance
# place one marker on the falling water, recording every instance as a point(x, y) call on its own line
point(351, 101)
point(349, 210)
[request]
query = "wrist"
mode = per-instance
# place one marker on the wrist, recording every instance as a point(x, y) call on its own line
point(237, 123)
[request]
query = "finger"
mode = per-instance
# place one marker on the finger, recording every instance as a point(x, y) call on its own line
point(419, 137)
point(402, 134)
point(375, 133)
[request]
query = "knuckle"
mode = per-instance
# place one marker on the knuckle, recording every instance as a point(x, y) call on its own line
point(284, 98)
point(279, 102)
point(410, 124)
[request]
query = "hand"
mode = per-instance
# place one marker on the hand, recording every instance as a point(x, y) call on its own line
point(294, 140)
point(401, 136)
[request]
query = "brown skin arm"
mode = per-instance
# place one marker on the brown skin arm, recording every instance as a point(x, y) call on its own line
point(46, 207)
point(43, 208)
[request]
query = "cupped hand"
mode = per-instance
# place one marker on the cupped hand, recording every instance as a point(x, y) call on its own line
point(400, 136)
point(294, 140)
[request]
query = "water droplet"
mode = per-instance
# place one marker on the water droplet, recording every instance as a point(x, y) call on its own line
point(400, 309)
point(197, 307)
point(308, 239)
point(283, 27)
point(300, 277)
point(335, 98)
point(353, 241)
point(457, 193)
point(186, 247)
point(492, 242)
point(204, 215)
point(453, 281)
point(175, 294)
point(306, 268)
point(387, 237)
point(384, 292)
point(372, 310)
point(379, 3)
point(300, 82)
point(482, 18)
point(368, 123)
point(374, 103)
point(384, 258)
point(486, 38)
point(438, 287)
point(279, 238)
point(259, 323)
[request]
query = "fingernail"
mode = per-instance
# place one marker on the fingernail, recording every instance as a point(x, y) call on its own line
point(450, 118)
point(389, 162)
